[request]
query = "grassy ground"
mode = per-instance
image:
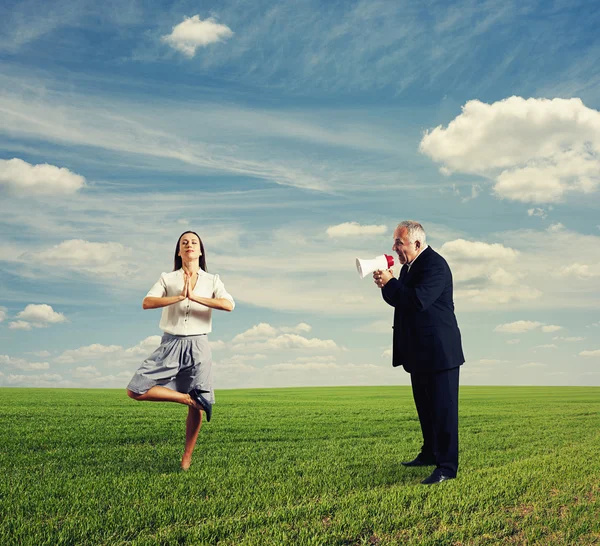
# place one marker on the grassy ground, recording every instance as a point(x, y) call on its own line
point(298, 466)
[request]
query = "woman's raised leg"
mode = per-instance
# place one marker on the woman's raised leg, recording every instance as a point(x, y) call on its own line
point(162, 394)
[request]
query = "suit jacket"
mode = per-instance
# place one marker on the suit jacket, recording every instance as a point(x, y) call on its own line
point(426, 334)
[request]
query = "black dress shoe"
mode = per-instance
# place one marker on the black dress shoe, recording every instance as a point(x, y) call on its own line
point(437, 476)
point(196, 395)
point(420, 460)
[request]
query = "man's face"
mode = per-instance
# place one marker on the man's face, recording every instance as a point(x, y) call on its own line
point(406, 250)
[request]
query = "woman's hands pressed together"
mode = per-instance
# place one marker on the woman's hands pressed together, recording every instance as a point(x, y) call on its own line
point(187, 292)
point(186, 285)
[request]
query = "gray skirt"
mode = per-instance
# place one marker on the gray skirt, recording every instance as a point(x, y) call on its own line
point(180, 363)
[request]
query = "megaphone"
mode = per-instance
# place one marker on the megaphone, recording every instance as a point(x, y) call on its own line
point(364, 267)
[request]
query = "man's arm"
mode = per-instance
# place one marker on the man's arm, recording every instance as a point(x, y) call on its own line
point(427, 288)
point(386, 297)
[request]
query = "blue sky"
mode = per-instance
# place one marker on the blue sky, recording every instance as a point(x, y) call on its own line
point(293, 137)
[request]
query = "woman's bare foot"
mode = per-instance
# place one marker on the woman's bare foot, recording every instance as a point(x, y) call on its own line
point(192, 403)
point(186, 461)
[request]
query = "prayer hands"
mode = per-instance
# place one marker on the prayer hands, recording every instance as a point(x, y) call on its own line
point(186, 285)
point(190, 288)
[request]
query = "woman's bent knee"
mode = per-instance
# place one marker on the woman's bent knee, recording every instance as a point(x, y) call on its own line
point(133, 395)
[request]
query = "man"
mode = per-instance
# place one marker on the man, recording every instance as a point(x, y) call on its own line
point(427, 343)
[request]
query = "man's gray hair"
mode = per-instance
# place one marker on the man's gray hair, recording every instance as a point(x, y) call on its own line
point(414, 231)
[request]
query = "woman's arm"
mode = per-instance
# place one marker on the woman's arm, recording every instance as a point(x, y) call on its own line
point(155, 303)
point(223, 304)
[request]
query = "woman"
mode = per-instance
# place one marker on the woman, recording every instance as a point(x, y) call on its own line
point(180, 370)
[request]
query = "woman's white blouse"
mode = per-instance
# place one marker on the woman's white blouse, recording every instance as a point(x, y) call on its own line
point(188, 318)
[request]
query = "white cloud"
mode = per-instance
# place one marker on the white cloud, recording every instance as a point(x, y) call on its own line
point(521, 326)
point(313, 358)
point(36, 366)
point(539, 266)
point(579, 271)
point(354, 229)
point(264, 337)
point(217, 345)
point(549, 183)
point(302, 366)
point(533, 365)
point(475, 191)
point(536, 150)
point(541, 213)
point(40, 315)
point(86, 372)
point(549, 328)
point(518, 327)
point(145, 347)
point(236, 358)
point(88, 257)
point(41, 354)
point(474, 251)
point(313, 372)
point(377, 327)
point(22, 364)
point(492, 361)
point(23, 179)
point(234, 367)
point(494, 295)
point(547, 346)
point(19, 325)
point(24, 378)
point(110, 355)
point(94, 351)
point(46, 380)
point(486, 273)
point(297, 291)
point(320, 364)
point(287, 342)
point(303, 370)
point(265, 331)
point(590, 353)
point(301, 328)
point(258, 331)
point(512, 341)
point(3, 313)
point(194, 32)
point(118, 380)
point(569, 338)
point(387, 353)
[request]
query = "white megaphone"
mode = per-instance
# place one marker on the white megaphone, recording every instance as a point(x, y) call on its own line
point(364, 267)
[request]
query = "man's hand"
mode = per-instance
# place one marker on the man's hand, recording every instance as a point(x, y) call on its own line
point(381, 277)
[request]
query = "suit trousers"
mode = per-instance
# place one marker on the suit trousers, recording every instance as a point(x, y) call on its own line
point(436, 399)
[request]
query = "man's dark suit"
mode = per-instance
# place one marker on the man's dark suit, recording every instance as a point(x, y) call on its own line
point(427, 343)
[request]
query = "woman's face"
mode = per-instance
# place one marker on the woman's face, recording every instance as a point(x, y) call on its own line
point(189, 247)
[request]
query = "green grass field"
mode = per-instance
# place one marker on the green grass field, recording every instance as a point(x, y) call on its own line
point(298, 466)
